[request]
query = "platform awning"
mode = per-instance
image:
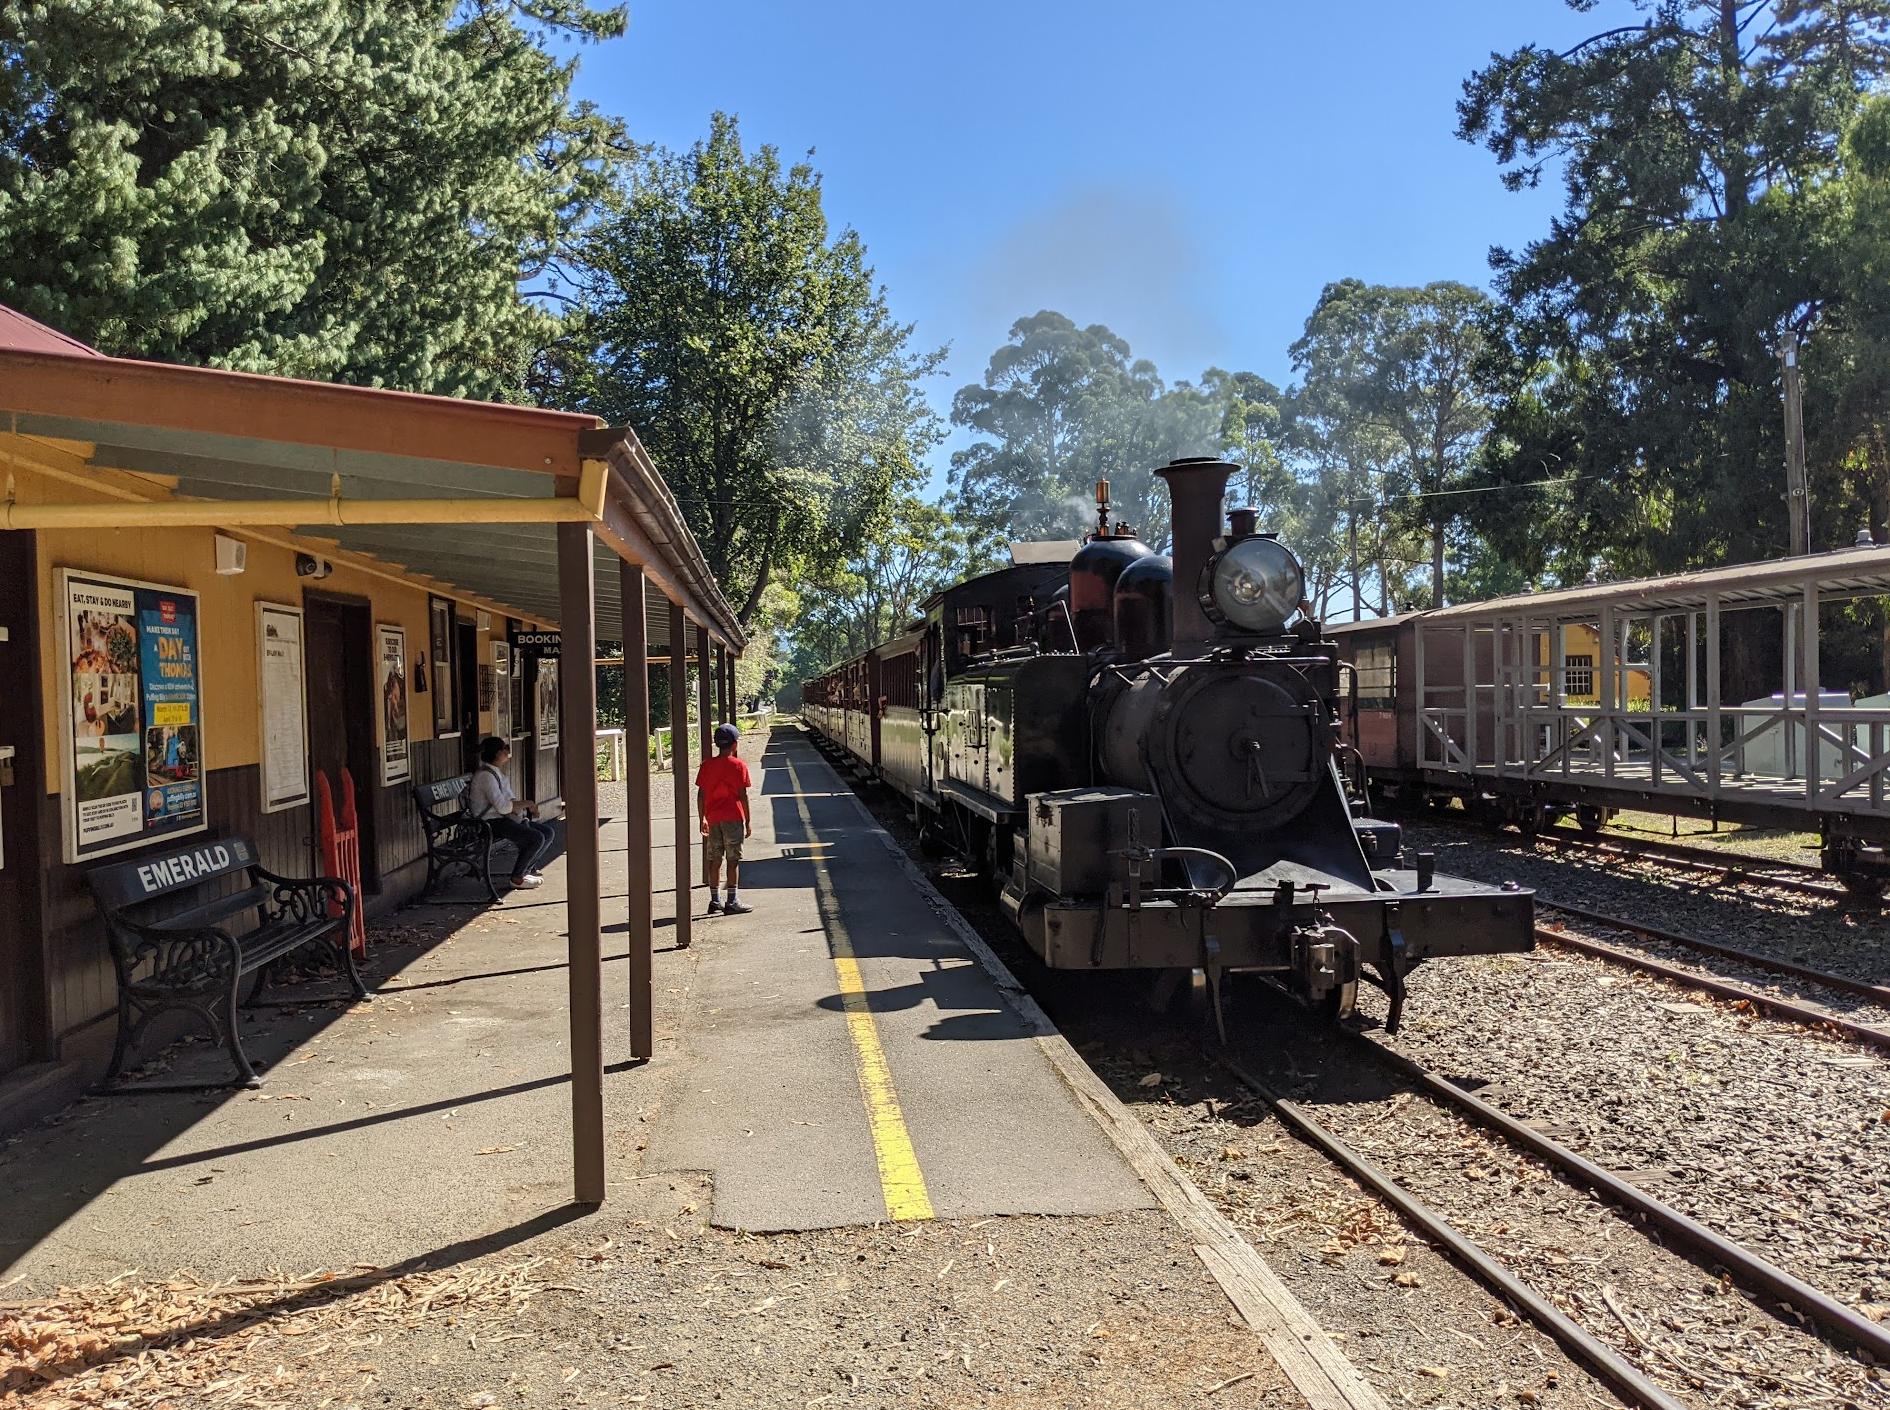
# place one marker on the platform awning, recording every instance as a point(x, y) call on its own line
point(465, 494)
point(516, 510)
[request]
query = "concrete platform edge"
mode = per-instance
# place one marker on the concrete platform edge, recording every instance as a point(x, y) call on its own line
point(1309, 1358)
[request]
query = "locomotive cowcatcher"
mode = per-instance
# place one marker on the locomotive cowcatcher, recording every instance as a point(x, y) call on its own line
point(1143, 756)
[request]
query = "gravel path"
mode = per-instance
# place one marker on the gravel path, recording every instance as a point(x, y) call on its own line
point(1423, 1332)
point(1771, 1135)
point(661, 1309)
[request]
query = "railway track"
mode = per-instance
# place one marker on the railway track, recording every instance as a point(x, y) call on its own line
point(1789, 1010)
point(1614, 1326)
point(1756, 1274)
point(1797, 877)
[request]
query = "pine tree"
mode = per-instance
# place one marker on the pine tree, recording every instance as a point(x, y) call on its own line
point(345, 189)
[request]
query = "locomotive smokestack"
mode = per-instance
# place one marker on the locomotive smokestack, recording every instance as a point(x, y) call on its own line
point(1196, 486)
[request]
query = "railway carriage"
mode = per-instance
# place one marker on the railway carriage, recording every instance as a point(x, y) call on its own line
point(1696, 695)
point(1148, 774)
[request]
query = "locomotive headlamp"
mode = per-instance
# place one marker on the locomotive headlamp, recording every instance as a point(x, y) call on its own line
point(1254, 585)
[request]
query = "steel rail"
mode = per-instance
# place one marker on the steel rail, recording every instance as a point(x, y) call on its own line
point(1600, 1359)
point(1786, 1009)
point(1862, 988)
point(1700, 859)
point(1843, 1323)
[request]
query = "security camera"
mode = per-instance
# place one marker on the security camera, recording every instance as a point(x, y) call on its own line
point(307, 565)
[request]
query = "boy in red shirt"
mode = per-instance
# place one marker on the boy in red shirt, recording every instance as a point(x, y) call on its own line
point(722, 804)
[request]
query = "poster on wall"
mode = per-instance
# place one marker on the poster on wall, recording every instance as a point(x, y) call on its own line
point(284, 707)
point(501, 690)
point(547, 704)
point(390, 656)
point(134, 712)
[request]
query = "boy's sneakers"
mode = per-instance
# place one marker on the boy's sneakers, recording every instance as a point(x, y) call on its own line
point(715, 908)
point(737, 908)
point(527, 883)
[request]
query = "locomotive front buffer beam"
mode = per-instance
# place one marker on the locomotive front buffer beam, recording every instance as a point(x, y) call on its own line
point(1252, 930)
point(1317, 948)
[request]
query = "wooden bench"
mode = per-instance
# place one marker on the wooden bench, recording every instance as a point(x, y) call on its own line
point(196, 959)
point(455, 838)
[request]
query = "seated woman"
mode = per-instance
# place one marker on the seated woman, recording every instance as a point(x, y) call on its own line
point(492, 800)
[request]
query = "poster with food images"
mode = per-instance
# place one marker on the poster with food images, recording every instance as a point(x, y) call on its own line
point(134, 707)
point(391, 670)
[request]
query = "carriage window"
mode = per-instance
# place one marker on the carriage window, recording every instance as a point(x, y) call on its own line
point(899, 680)
point(1578, 675)
point(1377, 670)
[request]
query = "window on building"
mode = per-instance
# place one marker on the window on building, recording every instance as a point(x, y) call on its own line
point(1376, 668)
point(1578, 676)
point(442, 663)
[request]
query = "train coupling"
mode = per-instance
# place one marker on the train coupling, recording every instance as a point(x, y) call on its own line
point(1325, 965)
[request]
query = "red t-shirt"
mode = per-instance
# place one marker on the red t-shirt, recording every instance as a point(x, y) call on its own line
point(722, 780)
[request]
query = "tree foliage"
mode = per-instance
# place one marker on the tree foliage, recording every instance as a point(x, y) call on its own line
point(879, 590)
point(1635, 353)
point(1061, 407)
point(753, 351)
point(1390, 411)
point(307, 187)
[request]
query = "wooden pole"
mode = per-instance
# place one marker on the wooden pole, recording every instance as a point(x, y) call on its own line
point(636, 792)
point(703, 685)
point(679, 763)
point(1797, 501)
point(577, 691)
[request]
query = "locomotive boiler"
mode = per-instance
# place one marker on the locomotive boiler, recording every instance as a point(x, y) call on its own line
point(1143, 755)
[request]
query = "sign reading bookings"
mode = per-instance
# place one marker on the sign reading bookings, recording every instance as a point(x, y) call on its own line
point(133, 721)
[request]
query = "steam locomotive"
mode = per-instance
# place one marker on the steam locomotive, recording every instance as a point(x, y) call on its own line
point(1142, 755)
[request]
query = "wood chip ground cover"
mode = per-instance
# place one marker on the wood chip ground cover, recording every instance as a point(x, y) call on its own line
point(132, 1345)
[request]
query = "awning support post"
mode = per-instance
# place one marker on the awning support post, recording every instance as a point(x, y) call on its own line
point(679, 764)
point(639, 884)
point(704, 706)
point(577, 690)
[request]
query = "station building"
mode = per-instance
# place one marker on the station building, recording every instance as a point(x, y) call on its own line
point(217, 589)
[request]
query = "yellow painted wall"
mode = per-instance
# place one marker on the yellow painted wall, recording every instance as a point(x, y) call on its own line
point(1580, 639)
point(230, 670)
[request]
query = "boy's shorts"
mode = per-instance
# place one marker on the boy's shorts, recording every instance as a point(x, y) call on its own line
point(724, 841)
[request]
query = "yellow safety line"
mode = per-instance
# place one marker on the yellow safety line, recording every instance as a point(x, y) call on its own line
point(901, 1181)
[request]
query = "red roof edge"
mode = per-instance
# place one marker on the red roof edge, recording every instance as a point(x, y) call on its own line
point(19, 331)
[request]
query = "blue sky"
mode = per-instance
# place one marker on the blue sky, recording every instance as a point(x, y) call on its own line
point(1190, 174)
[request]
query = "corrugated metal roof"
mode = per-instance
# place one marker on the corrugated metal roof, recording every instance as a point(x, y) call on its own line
point(19, 331)
point(1368, 623)
point(1850, 572)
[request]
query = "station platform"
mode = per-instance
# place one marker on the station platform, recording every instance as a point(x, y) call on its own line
point(846, 1060)
point(860, 1170)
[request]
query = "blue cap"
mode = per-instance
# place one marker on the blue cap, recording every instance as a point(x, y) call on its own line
point(726, 734)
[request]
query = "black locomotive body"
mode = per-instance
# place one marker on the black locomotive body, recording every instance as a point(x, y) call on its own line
point(1148, 774)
